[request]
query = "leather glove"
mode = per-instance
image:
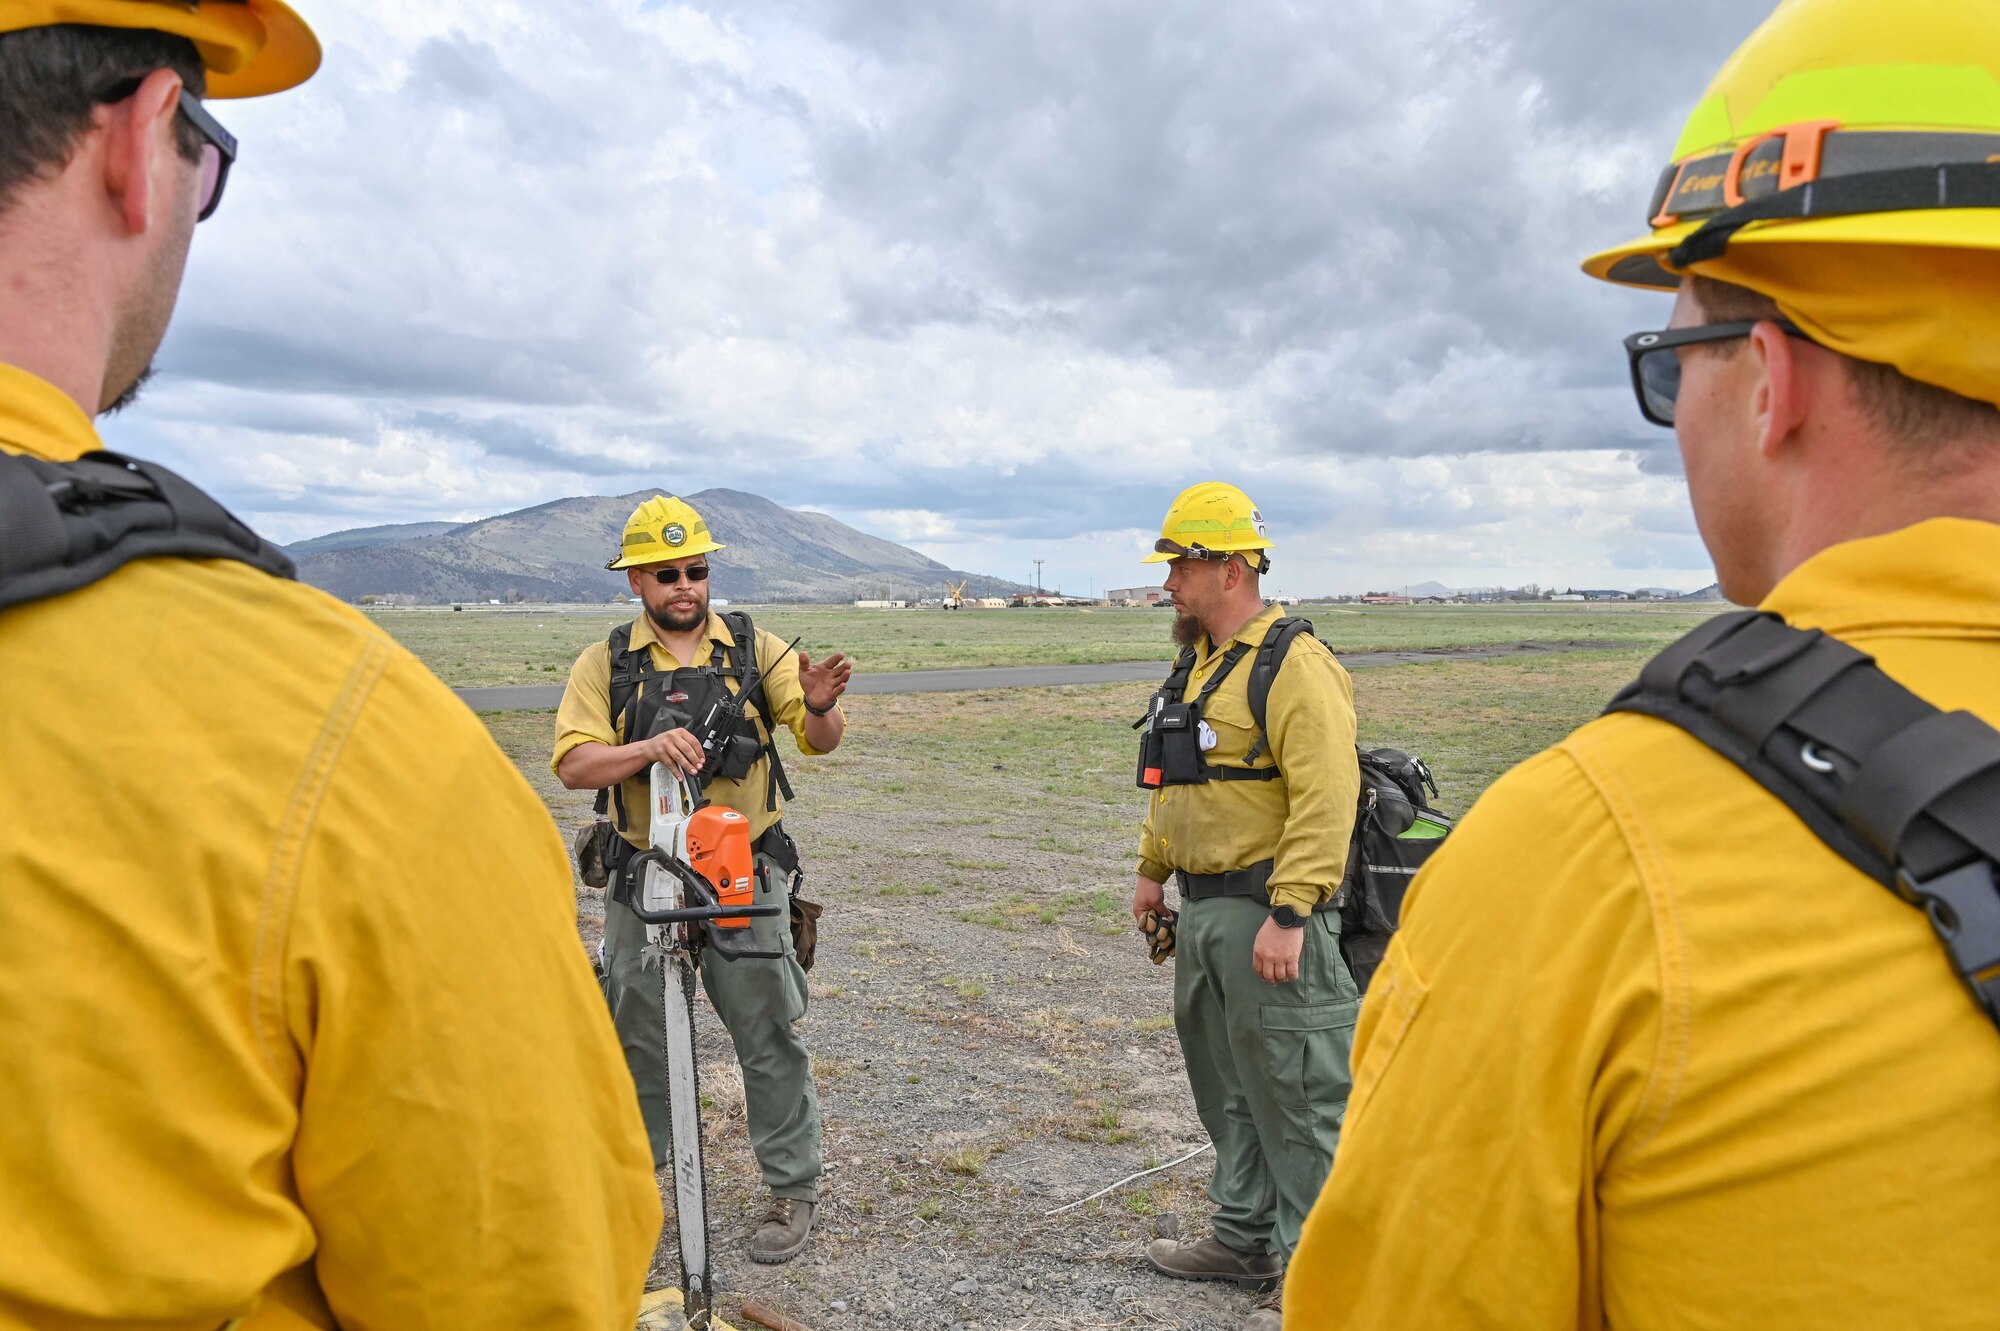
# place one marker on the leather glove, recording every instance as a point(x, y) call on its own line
point(1159, 928)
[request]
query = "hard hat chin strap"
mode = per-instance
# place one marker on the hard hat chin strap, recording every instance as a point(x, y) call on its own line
point(1904, 190)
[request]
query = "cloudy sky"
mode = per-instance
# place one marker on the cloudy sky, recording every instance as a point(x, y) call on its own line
point(995, 278)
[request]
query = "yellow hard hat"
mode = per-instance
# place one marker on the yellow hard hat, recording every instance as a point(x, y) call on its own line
point(250, 47)
point(660, 529)
point(1846, 163)
point(1212, 520)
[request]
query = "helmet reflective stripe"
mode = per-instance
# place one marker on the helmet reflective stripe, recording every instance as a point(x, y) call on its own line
point(663, 528)
point(1216, 518)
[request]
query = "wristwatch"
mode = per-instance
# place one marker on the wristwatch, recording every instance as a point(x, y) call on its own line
point(1287, 918)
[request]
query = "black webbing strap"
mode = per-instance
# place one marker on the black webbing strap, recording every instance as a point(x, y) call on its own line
point(1271, 655)
point(1908, 794)
point(66, 525)
point(1253, 881)
point(1214, 772)
point(627, 669)
point(1903, 190)
point(744, 658)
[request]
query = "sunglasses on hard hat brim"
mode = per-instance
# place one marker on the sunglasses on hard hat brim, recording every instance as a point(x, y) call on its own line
point(218, 147)
point(1163, 546)
point(1656, 363)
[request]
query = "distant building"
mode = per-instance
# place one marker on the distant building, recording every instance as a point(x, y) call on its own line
point(1136, 595)
point(1375, 599)
point(1567, 596)
point(881, 605)
point(1602, 594)
point(990, 603)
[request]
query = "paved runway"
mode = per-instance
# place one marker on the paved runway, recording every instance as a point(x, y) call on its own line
point(544, 697)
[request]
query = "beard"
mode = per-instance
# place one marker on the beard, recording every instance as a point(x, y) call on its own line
point(143, 319)
point(668, 620)
point(130, 393)
point(1187, 629)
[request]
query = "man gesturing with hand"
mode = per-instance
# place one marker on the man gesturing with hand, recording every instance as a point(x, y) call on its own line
point(640, 697)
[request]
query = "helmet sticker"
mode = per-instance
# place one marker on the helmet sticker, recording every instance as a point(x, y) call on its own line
point(1257, 520)
point(675, 534)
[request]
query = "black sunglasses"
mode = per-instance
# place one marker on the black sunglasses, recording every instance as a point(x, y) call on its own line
point(1656, 364)
point(218, 148)
point(667, 577)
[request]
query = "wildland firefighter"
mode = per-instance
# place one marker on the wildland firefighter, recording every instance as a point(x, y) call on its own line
point(645, 695)
point(1254, 820)
point(1651, 1048)
point(296, 1030)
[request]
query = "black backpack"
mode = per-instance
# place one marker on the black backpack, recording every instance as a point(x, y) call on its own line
point(1395, 827)
point(1905, 792)
point(66, 525)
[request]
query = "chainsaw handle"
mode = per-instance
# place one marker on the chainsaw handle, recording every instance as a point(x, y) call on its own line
point(696, 887)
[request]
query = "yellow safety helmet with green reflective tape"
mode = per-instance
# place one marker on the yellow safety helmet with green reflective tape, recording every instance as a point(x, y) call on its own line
point(660, 529)
point(1212, 520)
point(250, 47)
point(1846, 163)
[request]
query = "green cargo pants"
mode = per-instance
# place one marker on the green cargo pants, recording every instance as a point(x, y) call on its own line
point(758, 1000)
point(1268, 1063)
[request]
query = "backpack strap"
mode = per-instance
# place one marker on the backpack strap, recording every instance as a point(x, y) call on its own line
point(743, 658)
point(1264, 673)
point(1213, 771)
point(66, 525)
point(1905, 792)
point(628, 668)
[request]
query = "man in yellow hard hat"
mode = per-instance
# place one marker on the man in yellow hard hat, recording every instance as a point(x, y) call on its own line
point(646, 695)
point(296, 1030)
point(1249, 752)
point(1651, 1049)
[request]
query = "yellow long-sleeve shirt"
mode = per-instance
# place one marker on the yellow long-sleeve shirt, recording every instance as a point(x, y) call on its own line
point(1304, 818)
point(584, 717)
point(1647, 1053)
point(297, 1026)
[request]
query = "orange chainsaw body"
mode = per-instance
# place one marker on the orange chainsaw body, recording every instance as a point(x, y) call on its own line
point(718, 848)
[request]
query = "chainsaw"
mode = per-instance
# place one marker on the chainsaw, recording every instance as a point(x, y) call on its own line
point(693, 890)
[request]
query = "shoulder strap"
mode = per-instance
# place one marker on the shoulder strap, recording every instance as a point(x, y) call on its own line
point(625, 672)
point(1216, 772)
point(1264, 673)
point(626, 668)
point(66, 525)
point(1908, 794)
point(743, 655)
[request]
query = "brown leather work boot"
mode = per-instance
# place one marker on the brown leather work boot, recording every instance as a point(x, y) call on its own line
point(784, 1230)
point(1212, 1259)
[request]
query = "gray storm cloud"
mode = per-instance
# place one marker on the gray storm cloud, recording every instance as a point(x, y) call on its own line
point(1008, 264)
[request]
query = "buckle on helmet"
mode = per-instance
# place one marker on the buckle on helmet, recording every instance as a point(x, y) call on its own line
point(1800, 159)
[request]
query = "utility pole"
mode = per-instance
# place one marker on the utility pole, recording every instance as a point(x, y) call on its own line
point(1038, 577)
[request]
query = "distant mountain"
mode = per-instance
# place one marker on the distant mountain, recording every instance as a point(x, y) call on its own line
point(1429, 589)
point(1711, 593)
point(557, 551)
point(359, 538)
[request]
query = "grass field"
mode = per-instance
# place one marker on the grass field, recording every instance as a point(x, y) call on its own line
point(515, 646)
